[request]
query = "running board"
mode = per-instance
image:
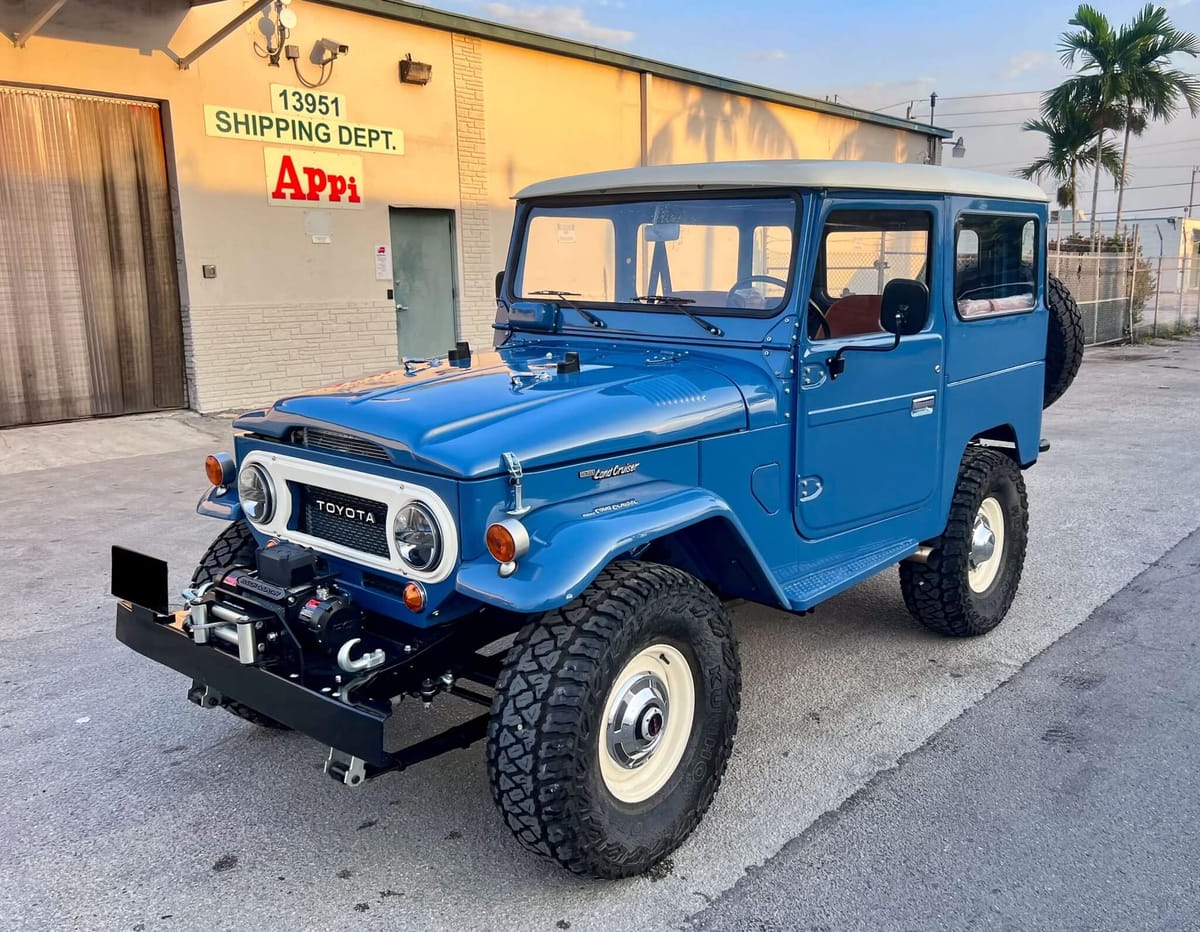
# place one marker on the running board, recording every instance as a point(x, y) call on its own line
point(815, 582)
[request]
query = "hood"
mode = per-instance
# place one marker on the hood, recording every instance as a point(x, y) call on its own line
point(457, 419)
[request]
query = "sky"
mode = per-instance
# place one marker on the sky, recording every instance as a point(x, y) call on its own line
point(988, 63)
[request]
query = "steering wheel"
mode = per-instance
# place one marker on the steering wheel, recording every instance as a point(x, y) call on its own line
point(750, 280)
point(824, 321)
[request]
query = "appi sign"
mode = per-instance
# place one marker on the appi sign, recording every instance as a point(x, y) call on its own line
point(304, 178)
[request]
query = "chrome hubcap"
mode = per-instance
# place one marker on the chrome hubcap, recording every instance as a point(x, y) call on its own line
point(646, 724)
point(983, 542)
point(637, 720)
point(987, 545)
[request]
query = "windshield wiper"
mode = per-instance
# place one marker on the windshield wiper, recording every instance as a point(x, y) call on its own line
point(681, 304)
point(563, 295)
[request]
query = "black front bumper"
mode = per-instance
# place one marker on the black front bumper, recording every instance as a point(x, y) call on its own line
point(352, 729)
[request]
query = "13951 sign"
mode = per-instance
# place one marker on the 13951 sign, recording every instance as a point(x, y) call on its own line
point(286, 99)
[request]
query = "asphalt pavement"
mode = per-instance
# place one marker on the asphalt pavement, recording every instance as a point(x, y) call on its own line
point(1068, 799)
point(126, 807)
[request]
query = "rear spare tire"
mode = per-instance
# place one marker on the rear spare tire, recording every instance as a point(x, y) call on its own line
point(1064, 341)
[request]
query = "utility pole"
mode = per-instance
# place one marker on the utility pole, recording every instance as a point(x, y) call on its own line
point(935, 144)
point(1192, 191)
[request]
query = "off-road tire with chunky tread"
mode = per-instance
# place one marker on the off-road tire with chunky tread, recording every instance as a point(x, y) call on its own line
point(542, 740)
point(937, 592)
point(1064, 341)
point(234, 546)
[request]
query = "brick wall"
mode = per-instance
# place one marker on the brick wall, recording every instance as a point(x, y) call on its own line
point(242, 356)
point(477, 305)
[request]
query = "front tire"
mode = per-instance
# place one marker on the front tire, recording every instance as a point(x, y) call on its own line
point(613, 720)
point(234, 546)
point(970, 578)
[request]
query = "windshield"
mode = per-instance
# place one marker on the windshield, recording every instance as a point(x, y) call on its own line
point(729, 255)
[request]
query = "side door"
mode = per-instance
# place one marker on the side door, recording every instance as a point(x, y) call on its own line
point(424, 279)
point(869, 441)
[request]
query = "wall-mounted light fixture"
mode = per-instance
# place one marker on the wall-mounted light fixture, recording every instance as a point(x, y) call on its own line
point(415, 72)
point(959, 150)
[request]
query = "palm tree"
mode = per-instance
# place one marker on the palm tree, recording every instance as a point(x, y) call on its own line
point(1124, 80)
point(1068, 148)
point(1152, 90)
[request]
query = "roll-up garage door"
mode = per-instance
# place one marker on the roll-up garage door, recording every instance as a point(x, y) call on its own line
point(89, 298)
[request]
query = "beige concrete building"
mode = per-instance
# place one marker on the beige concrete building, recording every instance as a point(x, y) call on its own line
point(185, 220)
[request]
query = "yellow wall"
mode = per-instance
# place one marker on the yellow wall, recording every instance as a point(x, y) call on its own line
point(252, 332)
point(686, 123)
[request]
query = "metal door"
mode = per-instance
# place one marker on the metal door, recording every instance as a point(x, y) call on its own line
point(424, 281)
point(870, 441)
point(89, 299)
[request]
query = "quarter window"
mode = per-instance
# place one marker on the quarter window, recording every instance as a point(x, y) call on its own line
point(995, 265)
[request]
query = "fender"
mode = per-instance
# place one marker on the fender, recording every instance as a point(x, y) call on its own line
point(215, 503)
point(570, 542)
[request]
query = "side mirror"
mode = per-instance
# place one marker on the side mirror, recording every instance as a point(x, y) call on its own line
point(905, 307)
point(903, 311)
point(499, 284)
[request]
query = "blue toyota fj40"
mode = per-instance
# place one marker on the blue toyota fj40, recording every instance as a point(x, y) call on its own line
point(759, 380)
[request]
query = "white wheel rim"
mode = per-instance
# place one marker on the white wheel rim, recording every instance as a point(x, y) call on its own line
point(646, 724)
point(987, 545)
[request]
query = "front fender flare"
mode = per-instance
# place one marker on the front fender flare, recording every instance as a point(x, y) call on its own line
point(220, 503)
point(572, 541)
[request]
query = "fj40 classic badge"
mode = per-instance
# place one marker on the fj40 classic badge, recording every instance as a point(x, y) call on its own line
point(781, 377)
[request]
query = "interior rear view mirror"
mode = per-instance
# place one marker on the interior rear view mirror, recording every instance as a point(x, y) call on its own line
point(904, 309)
point(661, 232)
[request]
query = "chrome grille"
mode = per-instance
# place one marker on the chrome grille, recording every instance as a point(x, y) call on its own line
point(340, 518)
point(330, 440)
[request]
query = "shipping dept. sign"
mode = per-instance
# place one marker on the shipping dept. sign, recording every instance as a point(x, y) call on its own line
point(302, 178)
point(301, 129)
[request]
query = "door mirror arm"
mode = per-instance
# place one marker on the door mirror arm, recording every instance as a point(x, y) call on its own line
point(903, 311)
point(837, 362)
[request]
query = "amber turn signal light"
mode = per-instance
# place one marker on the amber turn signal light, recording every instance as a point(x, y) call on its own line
point(219, 468)
point(414, 597)
point(507, 540)
point(500, 544)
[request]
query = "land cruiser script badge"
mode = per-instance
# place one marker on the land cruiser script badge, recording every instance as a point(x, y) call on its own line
point(623, 469)
point(346, 511)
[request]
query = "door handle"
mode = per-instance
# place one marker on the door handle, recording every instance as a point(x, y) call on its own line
point(402, 307)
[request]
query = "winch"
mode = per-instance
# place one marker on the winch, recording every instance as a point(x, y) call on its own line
point(285, 608)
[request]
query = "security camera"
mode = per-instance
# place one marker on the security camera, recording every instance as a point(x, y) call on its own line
point(325, 51)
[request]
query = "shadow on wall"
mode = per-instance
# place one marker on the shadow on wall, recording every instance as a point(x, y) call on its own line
point(715, 126)
point(712, 120)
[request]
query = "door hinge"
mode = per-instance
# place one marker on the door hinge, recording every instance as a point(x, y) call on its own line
point(812, 376)
point(810, 487)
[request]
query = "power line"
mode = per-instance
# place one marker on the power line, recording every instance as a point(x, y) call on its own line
point(957, 127)
point(984, 112)
point(908, 100)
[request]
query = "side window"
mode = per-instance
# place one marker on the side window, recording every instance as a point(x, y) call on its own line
point(861, 251)
point(995, 265)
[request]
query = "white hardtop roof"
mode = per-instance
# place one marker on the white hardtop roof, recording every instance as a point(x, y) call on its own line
point(792, 173)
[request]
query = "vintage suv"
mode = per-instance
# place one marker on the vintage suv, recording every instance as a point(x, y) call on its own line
point(757, 380)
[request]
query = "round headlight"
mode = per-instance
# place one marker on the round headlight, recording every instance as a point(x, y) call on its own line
point(418, 537)
point(256, 494)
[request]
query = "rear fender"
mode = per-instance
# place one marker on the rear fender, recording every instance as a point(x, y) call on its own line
point(572, 541)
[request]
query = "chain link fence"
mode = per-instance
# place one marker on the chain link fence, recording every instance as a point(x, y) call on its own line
point(1125, 296)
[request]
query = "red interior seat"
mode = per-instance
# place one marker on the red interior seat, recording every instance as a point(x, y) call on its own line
point(855, 314)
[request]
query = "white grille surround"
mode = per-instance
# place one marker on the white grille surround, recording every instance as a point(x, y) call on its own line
point(393, 493)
